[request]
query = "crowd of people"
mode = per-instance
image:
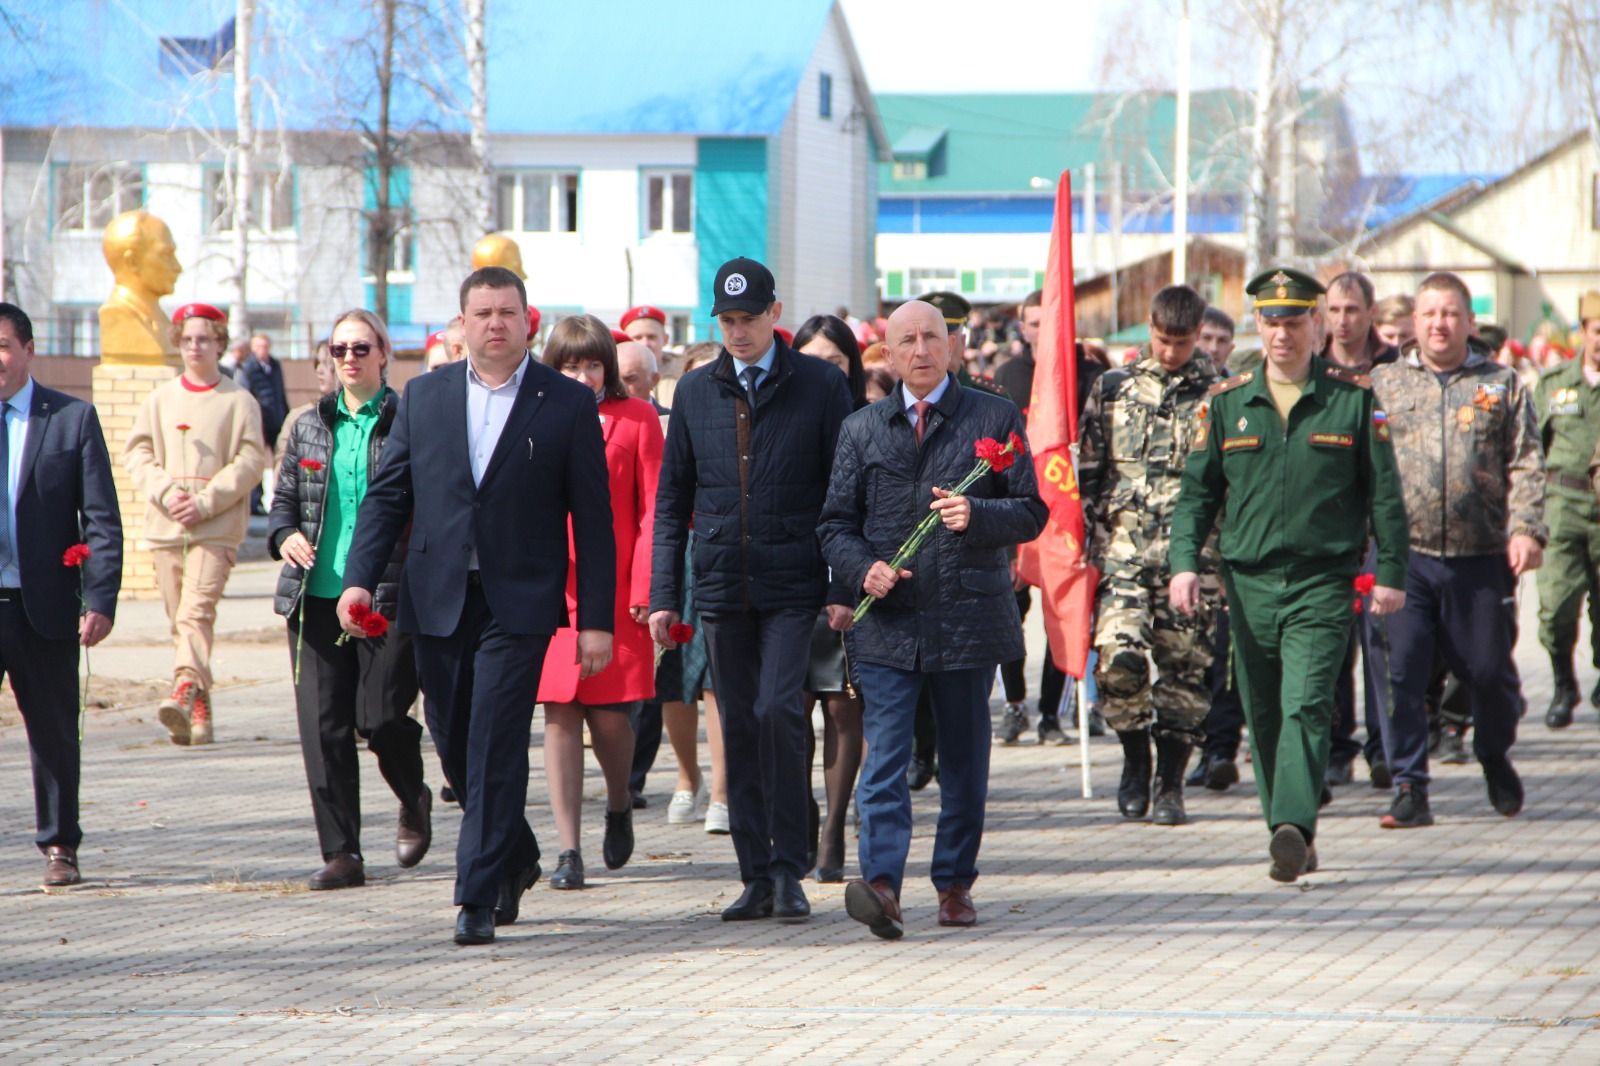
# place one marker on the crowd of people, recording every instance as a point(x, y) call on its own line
point(526, 532)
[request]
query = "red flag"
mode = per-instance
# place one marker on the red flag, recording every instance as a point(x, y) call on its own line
point(1055, 561)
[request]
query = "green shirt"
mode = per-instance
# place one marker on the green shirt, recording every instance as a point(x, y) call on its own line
point(346, 476)
point(1303, 492)
point(1569, 429)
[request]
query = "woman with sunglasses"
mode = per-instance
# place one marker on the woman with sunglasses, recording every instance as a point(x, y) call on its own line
point(581, 347)
point(354, 688)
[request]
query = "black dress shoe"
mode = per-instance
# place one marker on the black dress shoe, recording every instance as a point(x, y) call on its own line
point(1339, 773)
point(919, 773)
point(344, 870)
point(569, 871)
point(639, 802)
point(1221, 773)
point(447, 794)
point(618, 846)
point(755, 902)
point(511, 890)
point(475, 925)
point(1382, 777)
point(415, 835)
point(790, 904)
point(1505, 787)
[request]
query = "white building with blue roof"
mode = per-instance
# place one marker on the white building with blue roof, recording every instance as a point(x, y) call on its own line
point(635, 146)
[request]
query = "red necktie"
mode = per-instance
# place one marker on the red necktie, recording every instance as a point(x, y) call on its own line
point(921, 408)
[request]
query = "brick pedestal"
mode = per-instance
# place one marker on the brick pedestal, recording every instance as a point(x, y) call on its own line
point(120, 390)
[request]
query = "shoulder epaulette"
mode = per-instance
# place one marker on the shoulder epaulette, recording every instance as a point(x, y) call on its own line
point(1231, 383)
point(1349, 377)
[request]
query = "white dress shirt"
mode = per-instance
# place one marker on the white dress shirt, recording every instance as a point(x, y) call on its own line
point(488, 407)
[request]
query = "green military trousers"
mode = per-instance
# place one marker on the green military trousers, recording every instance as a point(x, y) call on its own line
point(1571, 571)
point(1291, 626)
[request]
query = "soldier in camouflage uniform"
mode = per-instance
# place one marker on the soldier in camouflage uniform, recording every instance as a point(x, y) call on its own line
point(1567, 400)
point(1467, 444)
point(1137, 427)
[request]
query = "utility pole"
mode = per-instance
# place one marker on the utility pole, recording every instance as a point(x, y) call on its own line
point(1180, 194)
point(243, 169)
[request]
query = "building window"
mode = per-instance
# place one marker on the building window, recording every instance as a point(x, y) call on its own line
point(537, 201)
point(934, 279)
point(89, 197)
point(271, 201)
point(72, 329)
point(669, 202)
point(911, 170)
point(825, 95)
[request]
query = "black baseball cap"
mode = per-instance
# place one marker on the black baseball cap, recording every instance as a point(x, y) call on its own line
point(743, 285)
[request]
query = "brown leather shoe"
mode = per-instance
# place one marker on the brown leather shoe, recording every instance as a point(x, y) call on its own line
point(415, 834)
point(60, 866)
point(876, 907)
point(344, 870)
point(955, 906)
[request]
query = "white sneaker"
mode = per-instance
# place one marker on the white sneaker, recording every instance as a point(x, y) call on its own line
point(717, 818)
point(685, 806)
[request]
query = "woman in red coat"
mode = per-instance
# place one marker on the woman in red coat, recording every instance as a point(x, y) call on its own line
point(581, 348)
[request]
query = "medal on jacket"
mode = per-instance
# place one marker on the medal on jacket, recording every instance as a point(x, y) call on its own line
point(1243, 423)
point(1464, 415)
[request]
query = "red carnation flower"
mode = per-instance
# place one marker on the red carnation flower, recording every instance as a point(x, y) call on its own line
point(988, 449)
point(374, 624)
point(998, 456)
point(76, 555)
point(310, 464)
point(1018, 445)
point(680, 632)
point(1364, 584)
point(183, 427)
point(359, 613)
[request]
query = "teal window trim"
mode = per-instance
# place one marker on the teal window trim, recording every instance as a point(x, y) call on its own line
point(52, 220)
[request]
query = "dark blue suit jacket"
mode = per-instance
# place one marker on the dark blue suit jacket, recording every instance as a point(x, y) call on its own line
point(550, 463)
point(65, 496)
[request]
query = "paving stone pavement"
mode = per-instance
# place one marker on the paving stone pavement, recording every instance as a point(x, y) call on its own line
point(192, 940)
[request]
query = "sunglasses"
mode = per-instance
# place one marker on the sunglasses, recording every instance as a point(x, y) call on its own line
point(339, 351)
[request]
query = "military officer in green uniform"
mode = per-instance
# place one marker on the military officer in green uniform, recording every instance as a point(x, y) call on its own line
point(1567, 400)
point(1295, 459)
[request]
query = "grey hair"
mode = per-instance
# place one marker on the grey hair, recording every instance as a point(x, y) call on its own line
point(379, 330)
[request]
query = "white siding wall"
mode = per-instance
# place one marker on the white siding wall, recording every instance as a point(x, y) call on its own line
point(821, 186)
point(589, 269)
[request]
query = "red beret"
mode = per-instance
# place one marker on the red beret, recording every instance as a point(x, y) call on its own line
point(788, 338)
point(620, 337)
point(434, 338)
point(533, 320)
point(197, 311)
point(633, 314)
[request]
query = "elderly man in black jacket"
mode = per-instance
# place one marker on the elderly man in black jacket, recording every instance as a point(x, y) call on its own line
point(946, 619)
point(747, 457)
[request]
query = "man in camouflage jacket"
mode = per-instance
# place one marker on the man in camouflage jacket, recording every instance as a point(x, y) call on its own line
point(1468, 449)
point(1137, 430)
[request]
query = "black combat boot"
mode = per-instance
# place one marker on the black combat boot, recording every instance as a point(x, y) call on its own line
point(1559, 716)
point(1172, 755)
point(1133, 795)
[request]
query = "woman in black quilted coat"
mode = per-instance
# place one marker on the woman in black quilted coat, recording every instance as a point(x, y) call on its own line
point(355, 688)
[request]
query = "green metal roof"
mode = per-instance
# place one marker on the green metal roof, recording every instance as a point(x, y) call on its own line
point(997, 143)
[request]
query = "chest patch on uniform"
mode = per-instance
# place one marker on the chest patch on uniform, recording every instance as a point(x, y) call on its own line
point(1337, 440)
point(1232, 443)
point(1380, 425)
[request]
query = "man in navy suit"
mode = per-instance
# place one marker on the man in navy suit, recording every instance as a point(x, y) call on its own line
point(487, 459)
point(55, 492)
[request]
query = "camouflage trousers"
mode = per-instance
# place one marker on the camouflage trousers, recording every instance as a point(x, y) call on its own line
point(1135, 624)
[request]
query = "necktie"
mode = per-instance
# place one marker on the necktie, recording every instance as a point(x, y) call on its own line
point(921, 408)
point(750, 374)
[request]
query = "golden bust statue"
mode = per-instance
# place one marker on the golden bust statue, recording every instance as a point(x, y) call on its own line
point(139, 250)
point(497, 250)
